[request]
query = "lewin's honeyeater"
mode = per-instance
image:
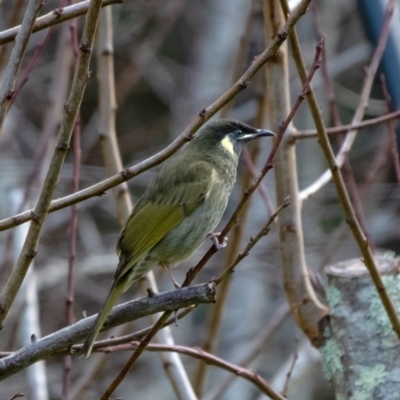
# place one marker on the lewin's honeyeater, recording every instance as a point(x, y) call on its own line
point(179, 209)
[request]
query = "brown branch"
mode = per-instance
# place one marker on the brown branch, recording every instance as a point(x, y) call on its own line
point(54, 17)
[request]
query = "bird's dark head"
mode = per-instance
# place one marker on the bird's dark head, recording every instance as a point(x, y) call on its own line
point(228, 136)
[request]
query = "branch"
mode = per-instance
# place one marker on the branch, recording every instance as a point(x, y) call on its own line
point(71, 108)
point(338, 130)
point(54, 17)
point(62, 340)
point(8, 87)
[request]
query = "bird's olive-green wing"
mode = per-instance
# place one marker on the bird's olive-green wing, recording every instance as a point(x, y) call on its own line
point(168, 200)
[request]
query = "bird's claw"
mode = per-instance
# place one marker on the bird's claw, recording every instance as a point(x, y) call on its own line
point(214, 238)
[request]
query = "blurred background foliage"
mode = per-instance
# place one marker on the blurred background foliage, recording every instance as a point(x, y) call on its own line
point(172, 59)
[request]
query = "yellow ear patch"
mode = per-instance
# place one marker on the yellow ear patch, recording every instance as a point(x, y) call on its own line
point(227, 144)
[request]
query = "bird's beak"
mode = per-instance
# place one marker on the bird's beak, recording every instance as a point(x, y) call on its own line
point(258, 133)
point(263, 132)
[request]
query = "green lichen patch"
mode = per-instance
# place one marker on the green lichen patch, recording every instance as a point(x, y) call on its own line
point(331, 356)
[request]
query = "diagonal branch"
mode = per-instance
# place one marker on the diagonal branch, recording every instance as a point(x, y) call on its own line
point(71, 108)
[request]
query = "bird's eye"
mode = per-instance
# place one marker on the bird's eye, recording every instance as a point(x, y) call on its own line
point(239, 133)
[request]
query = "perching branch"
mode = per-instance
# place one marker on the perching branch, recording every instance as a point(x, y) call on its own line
point(62, 340)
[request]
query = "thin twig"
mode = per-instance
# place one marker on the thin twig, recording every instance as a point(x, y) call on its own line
point(392, 132)
point(57, 16)
point(7, 89)
point(41, 210)
point(338, 130)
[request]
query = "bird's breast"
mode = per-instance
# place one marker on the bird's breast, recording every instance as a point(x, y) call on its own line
point(183, 240)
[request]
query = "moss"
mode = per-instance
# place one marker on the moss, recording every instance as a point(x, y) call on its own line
point(368, 380)
point(333, 296)
point(331, 356)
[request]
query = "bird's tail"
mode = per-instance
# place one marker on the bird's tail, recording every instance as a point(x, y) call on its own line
point(112, 297)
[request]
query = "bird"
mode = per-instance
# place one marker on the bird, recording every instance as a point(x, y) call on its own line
point(179, 209)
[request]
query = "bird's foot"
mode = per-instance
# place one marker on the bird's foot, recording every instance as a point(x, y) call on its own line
point(214, 238)
point(168, 271)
